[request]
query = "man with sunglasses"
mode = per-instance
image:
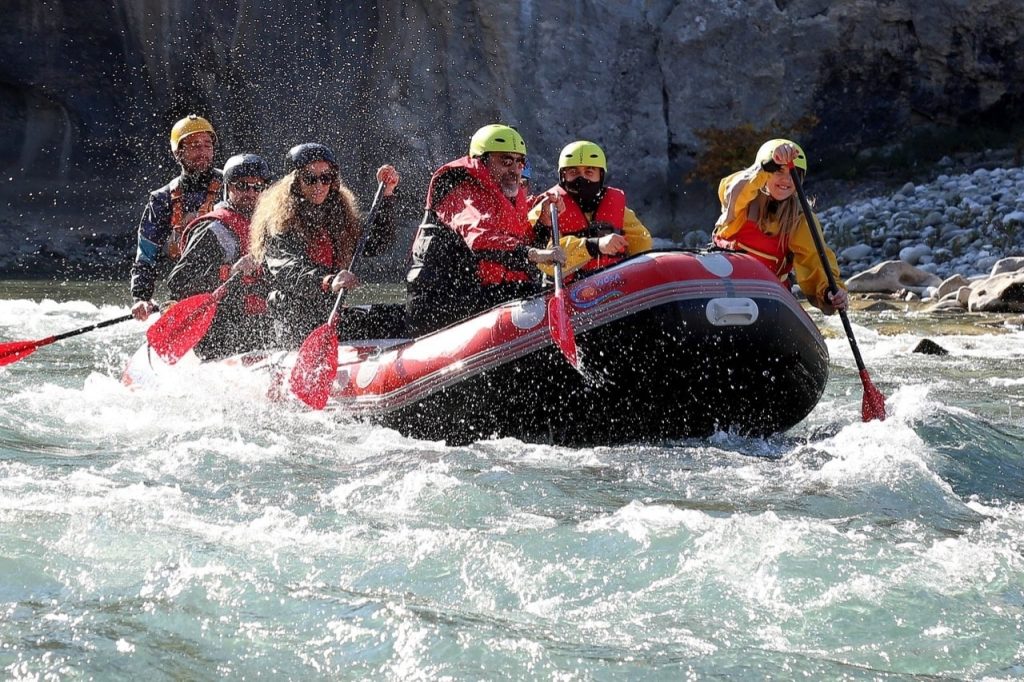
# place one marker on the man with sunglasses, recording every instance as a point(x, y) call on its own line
point(213, 247)
point(174, 206)
point(476, 247)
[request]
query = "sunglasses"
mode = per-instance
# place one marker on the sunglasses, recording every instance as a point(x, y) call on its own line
point(249, 186)
point(507, 160)
point(323, 179)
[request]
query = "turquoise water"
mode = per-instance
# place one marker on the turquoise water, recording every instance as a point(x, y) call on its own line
point(197, 532)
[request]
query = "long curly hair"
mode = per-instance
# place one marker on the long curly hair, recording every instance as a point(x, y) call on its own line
point(282, 209)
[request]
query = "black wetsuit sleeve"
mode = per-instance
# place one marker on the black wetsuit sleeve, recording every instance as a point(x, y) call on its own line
point(291, 271)
point(382, 231)
point(198, 269)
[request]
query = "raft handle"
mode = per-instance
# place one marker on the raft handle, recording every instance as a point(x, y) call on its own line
point(730, 312)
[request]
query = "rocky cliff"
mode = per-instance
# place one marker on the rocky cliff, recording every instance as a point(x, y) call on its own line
point(89, 89)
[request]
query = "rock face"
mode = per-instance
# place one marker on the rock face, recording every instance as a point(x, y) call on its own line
point(89, 89)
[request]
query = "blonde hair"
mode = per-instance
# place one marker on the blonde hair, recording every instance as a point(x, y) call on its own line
point(281, 209)
point(788, 212)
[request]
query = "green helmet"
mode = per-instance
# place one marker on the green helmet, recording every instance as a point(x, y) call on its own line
point(496, 137)
point(582, 153)
point(764, 154)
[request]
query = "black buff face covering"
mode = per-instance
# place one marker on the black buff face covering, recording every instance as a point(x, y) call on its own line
point(585, 193)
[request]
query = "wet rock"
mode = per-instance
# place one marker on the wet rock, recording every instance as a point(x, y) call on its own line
point(1000, 294)
point(929, 347)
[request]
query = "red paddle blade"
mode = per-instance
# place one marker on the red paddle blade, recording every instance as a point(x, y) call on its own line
point(18, 350)
point(182, 326)
point(561, 328)
point(873, 404)
point(316, 366)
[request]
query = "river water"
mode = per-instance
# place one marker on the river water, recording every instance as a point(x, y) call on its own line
point(194, 531)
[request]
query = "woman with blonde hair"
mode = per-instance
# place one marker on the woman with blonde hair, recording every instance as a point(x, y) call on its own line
point(305, 230)
point(761, 216)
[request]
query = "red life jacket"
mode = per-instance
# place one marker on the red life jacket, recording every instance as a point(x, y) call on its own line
point(321, 249)
point(611, 210)
point(772, 250)
point(255, 303)
point(466, 198)
point(181, 220)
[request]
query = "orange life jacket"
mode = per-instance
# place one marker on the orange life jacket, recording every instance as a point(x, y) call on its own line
point(610, 211)
point(180, 220)
point(772, 250)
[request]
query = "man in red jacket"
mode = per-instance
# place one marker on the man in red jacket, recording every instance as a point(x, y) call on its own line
point(479, 199)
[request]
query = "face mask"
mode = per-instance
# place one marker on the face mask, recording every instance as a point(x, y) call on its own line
point(585, 193)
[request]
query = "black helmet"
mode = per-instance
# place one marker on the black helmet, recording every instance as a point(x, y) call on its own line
point(246, 165)
point(304, 154)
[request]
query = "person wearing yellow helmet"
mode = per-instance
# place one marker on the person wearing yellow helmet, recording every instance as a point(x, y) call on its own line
point(169, 209)
point(761, 216)
point(476, 248)
point(597, 228)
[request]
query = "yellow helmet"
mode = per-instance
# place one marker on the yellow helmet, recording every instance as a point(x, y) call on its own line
point(582, 153)
point(190, 125)
point(496, 137)
point(764, 154)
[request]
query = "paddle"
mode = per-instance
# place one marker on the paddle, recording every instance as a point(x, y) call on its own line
point(558, 307)
point(873, 403)
point(19, 350)
point(185, 323)
point(317, 361)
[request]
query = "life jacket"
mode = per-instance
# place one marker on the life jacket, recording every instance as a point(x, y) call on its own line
point(180, 219)
point(255, 302)
point(467, 178)
point(610, 211)
point(772, 250)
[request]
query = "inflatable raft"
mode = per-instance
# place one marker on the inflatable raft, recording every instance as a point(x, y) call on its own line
point(673, 344)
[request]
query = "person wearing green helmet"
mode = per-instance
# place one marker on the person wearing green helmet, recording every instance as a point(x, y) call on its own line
point(761, 216)
point(597, 228)
point(476, 247)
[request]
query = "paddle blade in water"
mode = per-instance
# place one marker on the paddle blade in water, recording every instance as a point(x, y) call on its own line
point(316, 366)
point(561, 328)
point(182, 326)
point(18, 350)
point(873, 404)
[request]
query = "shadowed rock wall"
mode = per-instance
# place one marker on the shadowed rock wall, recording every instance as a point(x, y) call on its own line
point(89, 89)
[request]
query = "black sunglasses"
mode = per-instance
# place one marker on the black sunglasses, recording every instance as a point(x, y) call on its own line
point(323, 179)
point(249, 186)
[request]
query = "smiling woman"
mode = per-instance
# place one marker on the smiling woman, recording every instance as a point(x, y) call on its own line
point(761, 216)
point(305, 230)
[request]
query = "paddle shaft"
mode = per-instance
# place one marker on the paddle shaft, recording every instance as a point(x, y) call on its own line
point(819, 244)
point(83, 330)
point(556, 238)
point(357, 254)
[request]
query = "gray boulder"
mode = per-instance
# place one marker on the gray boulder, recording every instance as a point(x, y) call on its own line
point(892, 276)
point(1012, 264)
point(1000, 294)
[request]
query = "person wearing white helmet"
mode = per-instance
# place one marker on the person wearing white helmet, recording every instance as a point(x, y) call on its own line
point(174, 206)
point(761, 216)
point(597, 228)
point(213, 247)
point(476, 247)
